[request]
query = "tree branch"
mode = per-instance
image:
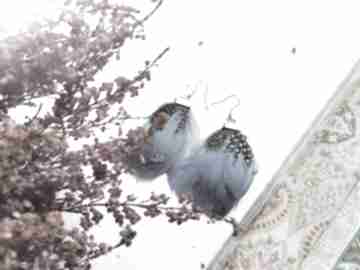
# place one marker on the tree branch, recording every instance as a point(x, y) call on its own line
point(151, 13)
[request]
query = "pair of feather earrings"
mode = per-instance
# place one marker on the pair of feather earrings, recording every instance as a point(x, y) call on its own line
point(215, 174)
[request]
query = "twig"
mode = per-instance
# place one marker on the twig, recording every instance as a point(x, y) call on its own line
point(139, 77)
point(157, 58)
point(94, 124)
point(134, 118)
point(151, 13)
point(138, 205)
point(121, 243)
point(143, 73)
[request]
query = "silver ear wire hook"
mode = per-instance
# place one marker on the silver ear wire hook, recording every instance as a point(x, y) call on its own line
point(191, 93)
point(186, 97)
point(230, 118)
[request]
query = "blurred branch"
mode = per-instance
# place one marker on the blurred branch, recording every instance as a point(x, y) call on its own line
point(143, 74)
point(151, 13)
point(76, 209)
point(97, 255)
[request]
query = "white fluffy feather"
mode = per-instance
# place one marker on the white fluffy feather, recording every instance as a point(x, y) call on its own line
point(166, 146)
point(214, 178)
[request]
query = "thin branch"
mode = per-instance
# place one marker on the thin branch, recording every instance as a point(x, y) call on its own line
point(137, 78)
point(75, 209)
point(98, 103)
point(151, 13)
point(121, 243)
point(94, 124)
point(134, 118)
point(156, 60)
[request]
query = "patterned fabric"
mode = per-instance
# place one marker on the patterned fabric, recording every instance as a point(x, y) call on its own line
point(309, 215)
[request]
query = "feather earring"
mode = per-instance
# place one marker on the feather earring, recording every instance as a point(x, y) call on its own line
point(217, 174)
point(168, 137)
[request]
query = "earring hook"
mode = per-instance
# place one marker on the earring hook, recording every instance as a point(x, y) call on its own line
point(191, 93)
point(230, 118)
point(188, 96)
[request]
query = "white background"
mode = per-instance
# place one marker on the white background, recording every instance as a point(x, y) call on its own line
point(247, 51)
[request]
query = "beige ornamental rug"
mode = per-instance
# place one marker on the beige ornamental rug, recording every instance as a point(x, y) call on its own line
point(309, 214)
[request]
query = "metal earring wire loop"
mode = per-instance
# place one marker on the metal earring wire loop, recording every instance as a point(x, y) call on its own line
point(230, 118)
